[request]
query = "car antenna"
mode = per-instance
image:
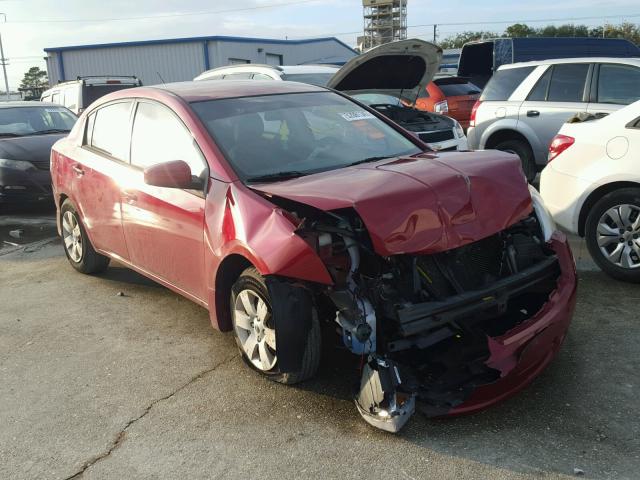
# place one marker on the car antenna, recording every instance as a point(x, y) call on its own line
point(161, 79)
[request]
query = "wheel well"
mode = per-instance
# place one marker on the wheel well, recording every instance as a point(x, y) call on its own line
point(596, 195)
point(228, 272)
point(504, 135)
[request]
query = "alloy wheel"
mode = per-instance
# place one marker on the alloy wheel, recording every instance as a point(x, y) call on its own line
point(72, 236)
point(618, 235)
point(257, 336)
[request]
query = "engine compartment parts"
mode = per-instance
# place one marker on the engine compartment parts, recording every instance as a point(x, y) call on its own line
point(380, 400)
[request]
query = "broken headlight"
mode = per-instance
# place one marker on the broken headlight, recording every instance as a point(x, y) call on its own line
point(545, 219)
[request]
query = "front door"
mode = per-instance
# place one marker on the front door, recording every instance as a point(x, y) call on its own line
point(164, 227)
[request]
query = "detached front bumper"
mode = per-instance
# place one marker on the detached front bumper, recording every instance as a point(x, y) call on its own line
point(25, 186)
point(523, 353)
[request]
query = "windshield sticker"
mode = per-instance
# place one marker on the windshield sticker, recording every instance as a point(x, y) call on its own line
point(54, 110)
point(360, 115)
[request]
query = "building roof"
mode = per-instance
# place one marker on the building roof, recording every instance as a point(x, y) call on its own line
point(221, 38)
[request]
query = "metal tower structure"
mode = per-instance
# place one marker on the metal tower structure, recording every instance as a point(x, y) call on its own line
point(384, 21)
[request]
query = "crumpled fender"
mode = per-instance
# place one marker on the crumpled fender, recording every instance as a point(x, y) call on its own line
point(240, 222)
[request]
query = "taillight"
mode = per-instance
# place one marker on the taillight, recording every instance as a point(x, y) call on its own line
point(472, 118)
point(558, 145)
point(441, 107)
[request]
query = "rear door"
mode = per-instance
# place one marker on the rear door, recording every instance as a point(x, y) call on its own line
point(99, 169)
point(559, 94)
point(164, 227)
point(614, 86)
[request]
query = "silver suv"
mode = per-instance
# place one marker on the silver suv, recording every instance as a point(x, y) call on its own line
point(524, 104)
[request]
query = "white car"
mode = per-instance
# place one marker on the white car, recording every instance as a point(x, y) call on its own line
point(591, 186)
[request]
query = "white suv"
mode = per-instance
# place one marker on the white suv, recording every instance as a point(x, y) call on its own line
point(524, 104)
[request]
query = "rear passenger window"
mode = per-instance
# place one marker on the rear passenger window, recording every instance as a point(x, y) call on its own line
point(261, 76)
point(111, 130)
point(539, 92)
point(567, 82)
point(618, 84)
point(238, 76)
point(159, 136)
point(504, 82)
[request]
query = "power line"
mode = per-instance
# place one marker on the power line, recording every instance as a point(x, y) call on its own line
point(168, 15)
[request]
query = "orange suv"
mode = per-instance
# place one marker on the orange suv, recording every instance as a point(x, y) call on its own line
point(451, 96)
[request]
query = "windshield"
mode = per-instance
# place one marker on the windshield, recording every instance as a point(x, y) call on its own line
point(320, 79)
point(298, 134)
point(19, 121)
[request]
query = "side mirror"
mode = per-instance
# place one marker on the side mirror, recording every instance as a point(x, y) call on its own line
point(175, 174)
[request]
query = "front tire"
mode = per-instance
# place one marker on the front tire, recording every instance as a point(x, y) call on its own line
point(76, 243)
point(525, 153)
point(612, 233)
point(255, 335)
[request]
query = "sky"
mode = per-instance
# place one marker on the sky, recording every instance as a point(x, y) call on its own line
point(32, 25)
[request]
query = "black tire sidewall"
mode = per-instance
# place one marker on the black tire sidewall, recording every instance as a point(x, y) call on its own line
point(524, 152)
point(629, 196)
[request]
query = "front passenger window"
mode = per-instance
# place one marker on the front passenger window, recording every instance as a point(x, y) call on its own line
point(159, 136)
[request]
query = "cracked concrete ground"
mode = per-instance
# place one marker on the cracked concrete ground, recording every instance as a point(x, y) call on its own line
point(96, 385)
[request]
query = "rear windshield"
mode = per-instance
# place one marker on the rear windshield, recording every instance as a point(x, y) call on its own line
point(91, 93)
point(298, 134)
point(320, 79)
point(504, 82)
point(456, 87)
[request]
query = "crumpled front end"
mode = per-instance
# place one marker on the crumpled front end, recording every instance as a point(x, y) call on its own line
point(448, 332)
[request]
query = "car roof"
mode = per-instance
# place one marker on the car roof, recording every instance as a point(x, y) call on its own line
point(555, 61)
point(197, 91)
point(25, 103)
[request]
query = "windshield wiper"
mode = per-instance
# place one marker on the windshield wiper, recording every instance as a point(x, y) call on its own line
point(276, 176)
point(10, 135)
point(370, 159)
point(44, 132)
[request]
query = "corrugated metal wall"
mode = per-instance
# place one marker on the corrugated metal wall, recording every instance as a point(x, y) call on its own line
point(220, 52)
point(183, 60)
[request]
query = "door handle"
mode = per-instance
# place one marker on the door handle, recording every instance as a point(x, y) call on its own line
point(533, 113)
point(79, 171)
point(130, 197)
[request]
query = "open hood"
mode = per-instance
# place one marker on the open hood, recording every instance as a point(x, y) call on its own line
point(395, 68)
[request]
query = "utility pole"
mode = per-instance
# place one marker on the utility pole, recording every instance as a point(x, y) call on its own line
point(3, 61)
point(435, 34)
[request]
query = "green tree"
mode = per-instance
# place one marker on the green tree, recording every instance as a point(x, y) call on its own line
point(458, 40)
point(34, 78)
point(520, 30)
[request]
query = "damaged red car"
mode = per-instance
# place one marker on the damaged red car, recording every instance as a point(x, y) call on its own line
point(282, 206)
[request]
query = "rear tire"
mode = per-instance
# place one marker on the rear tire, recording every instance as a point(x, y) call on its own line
point(612, 232)
point(254, 331)
point(76, 243)
point(523, 150)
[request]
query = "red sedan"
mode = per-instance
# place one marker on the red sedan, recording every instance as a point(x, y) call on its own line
point(281, 207)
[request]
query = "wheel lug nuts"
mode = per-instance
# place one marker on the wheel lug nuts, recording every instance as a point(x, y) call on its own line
point(621, 240)
point(629, 229)
point(622, 230)
point(630, 243)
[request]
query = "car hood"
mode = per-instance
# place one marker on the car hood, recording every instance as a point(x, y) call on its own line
point(35, 149)
point(423, 204)
point(399, 68)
